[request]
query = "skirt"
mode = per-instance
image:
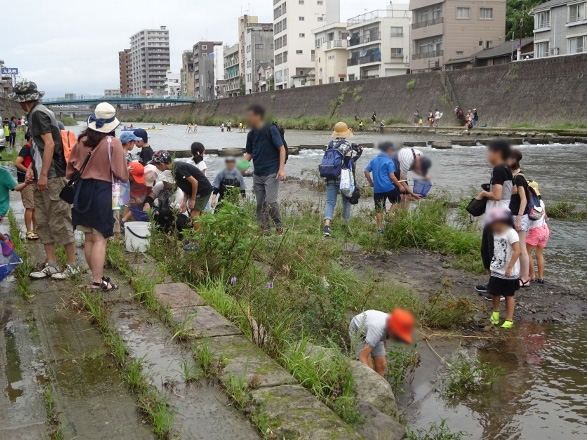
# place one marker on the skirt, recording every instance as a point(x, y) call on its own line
point(502, 287)
point(92, 206)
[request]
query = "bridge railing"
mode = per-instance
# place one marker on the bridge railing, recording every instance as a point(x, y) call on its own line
point(119, 98)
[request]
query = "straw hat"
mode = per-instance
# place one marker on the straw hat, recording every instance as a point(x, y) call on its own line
point(103, 119)
point(341, 130)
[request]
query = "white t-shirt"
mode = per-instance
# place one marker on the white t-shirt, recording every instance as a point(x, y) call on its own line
point(373, 326)
point(538, 223)
point(202, 166)
point(405, 156)
point(502, 255)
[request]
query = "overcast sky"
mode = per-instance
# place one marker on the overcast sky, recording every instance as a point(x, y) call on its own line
point(72, 46)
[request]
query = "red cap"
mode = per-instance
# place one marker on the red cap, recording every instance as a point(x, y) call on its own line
point(137, 170)
point(401, 323)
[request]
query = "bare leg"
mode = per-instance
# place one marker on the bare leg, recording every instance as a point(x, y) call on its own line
point(379, 217)
point(97, 258)
point(88, 245)
point(28, 220)
point(510, 305)
point(380, 364)
point(495, 302)
point(530, 250)
point(70, 251)
point(540, 261)
point(50, 253)
point(524, 260)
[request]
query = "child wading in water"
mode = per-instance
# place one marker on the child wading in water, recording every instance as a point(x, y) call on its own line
point(505, 264)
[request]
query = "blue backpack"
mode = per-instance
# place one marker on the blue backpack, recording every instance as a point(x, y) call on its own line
point(332, 161)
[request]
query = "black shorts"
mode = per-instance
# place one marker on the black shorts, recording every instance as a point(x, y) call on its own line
point(382, 198)
point(502, 287)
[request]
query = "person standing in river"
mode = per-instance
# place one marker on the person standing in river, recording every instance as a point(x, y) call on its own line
point(374, 118)
point(266, 148)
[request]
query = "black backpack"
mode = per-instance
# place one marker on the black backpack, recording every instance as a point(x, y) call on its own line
point(282, 134)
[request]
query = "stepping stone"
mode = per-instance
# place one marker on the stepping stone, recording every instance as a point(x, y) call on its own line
point(177, 295)
point(205, 321)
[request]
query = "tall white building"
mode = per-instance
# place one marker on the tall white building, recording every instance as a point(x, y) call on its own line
point(294, 46)
point(172, 84)
point(149, 60)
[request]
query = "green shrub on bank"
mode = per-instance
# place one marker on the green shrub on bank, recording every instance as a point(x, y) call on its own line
point(567, 209)
point(68, 121)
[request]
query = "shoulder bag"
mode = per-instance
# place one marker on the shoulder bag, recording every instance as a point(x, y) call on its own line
point(67, 194)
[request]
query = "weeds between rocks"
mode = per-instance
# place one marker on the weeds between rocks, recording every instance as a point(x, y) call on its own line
point(437, 431)
point(23, 270)
point(401, 362)
point(55, 424)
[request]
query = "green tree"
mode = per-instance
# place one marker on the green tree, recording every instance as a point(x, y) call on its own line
point(515, 11)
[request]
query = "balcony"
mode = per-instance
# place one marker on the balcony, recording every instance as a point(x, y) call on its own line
point(431, 54)
point(427, 23)
point(373, 58)
point(336, 44)
point(364, 39)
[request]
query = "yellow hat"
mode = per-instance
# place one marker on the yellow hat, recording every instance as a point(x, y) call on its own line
point(535, 187)
point(341, 130)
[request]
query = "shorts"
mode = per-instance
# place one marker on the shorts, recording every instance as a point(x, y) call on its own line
point(382, 198)
point(538, 236)
point(378, 350)
point(201, 203)
point(502, 287)
point(525, 222)
point(53, 214)
point(28, 197)
point(88, 230)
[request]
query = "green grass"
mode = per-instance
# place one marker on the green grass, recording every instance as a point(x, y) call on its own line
point(437, 431)
point(23, 270)
point(568, 208)
point(402, 361)
point(68, 121)
point(466, 375)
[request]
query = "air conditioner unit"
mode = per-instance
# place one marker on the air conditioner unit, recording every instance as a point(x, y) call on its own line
point(554, 51)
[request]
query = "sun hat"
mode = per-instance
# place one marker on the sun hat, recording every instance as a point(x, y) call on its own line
point(128, 136)
point(161, 156)
point(401, 323)
point(137, 171)
point(499, 214)
point(151, 174)
point(26, 91)
point(141, 134)
point(167, 177)
point(103, 120)
point(341, 130)
point(534, 185)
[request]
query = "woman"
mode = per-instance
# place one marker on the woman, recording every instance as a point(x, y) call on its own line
point(341, 134)
point(519, 209)
point(92, 206)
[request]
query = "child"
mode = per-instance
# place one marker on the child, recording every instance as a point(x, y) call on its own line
point(538, 234)
point(384, 182)
point(7, 184)
point(6, 132)
point(198, 151)
point(22, 163)
point(226, 180)
point(138, 188)
point(505, 264)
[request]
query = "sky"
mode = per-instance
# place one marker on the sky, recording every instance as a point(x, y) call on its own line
point(71, 46)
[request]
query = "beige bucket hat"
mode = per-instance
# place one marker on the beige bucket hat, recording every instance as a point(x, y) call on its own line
point(341, 130)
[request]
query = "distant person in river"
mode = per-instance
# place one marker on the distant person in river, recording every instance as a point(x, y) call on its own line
point(538, 234)
point(146, 152)
point(342, 148)
point(430, 118)
point(266, 148)
point(361, 126)
point(22, 163)
point(505, 264)
point(370, 331)
point(374, 118)
point(416, 118)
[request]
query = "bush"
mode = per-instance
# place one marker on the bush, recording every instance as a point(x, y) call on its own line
point(436, 432)
point(467, 375)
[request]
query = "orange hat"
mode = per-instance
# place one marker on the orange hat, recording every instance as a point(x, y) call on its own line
point(137, 171)
point(401, 322)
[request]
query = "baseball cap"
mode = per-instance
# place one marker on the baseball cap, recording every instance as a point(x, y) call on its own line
point(141, 134)
point(161, 156)
point(151, 174)
point(128, 136)
point(401, 323)
point(137, 170)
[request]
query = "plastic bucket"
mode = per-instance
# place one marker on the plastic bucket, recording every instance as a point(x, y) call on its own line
point(137, 236)
point(422, 187)
point(138, 214)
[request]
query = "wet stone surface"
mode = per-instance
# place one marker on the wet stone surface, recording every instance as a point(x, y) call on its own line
point(177, 295)
point(204, 321)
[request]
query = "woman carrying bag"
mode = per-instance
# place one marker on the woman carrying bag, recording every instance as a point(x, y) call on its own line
point(92, 203)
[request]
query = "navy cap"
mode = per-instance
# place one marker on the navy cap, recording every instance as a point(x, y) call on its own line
point(128, 136)
point(139, 132)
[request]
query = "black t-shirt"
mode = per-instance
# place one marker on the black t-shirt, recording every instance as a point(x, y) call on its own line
point(182, 170)
point(25, 153)
point(146, 154)
point(520, 182)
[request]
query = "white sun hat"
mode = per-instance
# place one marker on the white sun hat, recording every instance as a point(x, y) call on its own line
point(103, 119)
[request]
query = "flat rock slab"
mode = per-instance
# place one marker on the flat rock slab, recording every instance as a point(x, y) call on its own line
point(177, 295)
point(205, 321)
point(295, 413)
point(244, 359)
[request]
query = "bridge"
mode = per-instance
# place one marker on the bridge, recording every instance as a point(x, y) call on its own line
point(120, 99)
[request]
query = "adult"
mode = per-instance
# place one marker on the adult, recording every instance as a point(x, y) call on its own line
point(22, 163)
point(47, 170)
point(374, 118)
point(92, 207)
point(369, 332)
point(410, 159)
point(519, 208)
point(437, 116)
point(13, 126)
point(265, 147)
point(146, 153)
point(475, 117)
point(340, 142)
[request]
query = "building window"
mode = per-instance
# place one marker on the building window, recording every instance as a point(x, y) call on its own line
point(321, 18)
point(486, 13)
point(488, 44)
point(301, 18)
point(204, 46)
point(577, 12)
point(541, 49)
point(302, 35)
point(464, 13)
point(576, 44)
point(397, 31)
point(299, 52)
point(480, 43)
point(460, 53)
point(542, 20)
point(259, 46)
point(351, 76)
point(397, 52)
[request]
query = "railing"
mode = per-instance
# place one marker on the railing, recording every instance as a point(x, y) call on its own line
point(431, 54)
point(333, 44)
point(397, 58)
point(374, 36)
point(363, 60)
point(426, 23)
point(544, 24)
point(89, 99)
point(352, 62)
point(576, 18)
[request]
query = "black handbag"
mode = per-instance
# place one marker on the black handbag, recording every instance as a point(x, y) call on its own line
point(67, 194)
point(477, 207)
point(354, 198)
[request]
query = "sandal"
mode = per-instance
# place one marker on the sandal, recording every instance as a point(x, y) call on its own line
point(105, 286)
point(32, 235)
point(523, 283)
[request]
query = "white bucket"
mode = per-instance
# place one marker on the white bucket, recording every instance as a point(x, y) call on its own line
point(137, 236)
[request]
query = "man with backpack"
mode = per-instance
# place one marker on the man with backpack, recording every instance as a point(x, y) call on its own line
point(265, 145)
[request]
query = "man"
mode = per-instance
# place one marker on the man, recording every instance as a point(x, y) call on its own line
point(369, 332)
point(129, 140)
point(13, 126)
point(146, 153)
point(265, 147)
point(410, 159)
point(53, 215)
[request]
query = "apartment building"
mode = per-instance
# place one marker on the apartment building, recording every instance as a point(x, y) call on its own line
point(379, 43)
point(445, 30)
point(264, 81)
point(187, 73)
point(203, 59)
point(258, 50)
point(172, 84)
point(243, 23)
point(330, 60)
point(149, 60)
point(294, 47)
point(232, 76)
point(112, 92)
point(124, 71)
point(560, 28)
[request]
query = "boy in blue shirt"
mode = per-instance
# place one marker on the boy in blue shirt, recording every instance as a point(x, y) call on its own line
point(384, 182)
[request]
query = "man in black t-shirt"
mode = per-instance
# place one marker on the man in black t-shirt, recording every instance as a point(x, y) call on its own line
point(146, 153)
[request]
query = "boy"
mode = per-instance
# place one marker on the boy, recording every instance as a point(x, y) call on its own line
point(226, 180)
point(146, 153)
point(7, 184)
point(195, 186)
point(128, 140)
point(22, 163)
point(384, 182)
point(6, 132)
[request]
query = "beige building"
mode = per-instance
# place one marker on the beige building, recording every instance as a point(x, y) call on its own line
point(187, 73)
point(124, 71)
point(243, 23)
point(331, 55)
point(445, 30)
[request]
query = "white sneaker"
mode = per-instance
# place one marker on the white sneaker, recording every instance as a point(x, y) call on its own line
point(47, 271)
point(68, 272)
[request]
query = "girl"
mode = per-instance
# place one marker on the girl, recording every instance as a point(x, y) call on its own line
point(198, 151)
point(505, 265)
point(538, 234)
point(519, 209)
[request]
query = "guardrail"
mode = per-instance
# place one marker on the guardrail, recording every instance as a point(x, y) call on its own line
point(427, 23)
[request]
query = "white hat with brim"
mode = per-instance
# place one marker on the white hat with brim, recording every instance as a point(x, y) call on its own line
point(167, 177)
point(103, 119)
point(341, 130)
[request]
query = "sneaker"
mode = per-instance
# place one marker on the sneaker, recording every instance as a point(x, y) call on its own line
point(507, 324)
point(327, 231)
point(47, 271)
point(540, 281)
point(380, 231)
point(70, 270)
point(495, 318)
point(481, 288)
